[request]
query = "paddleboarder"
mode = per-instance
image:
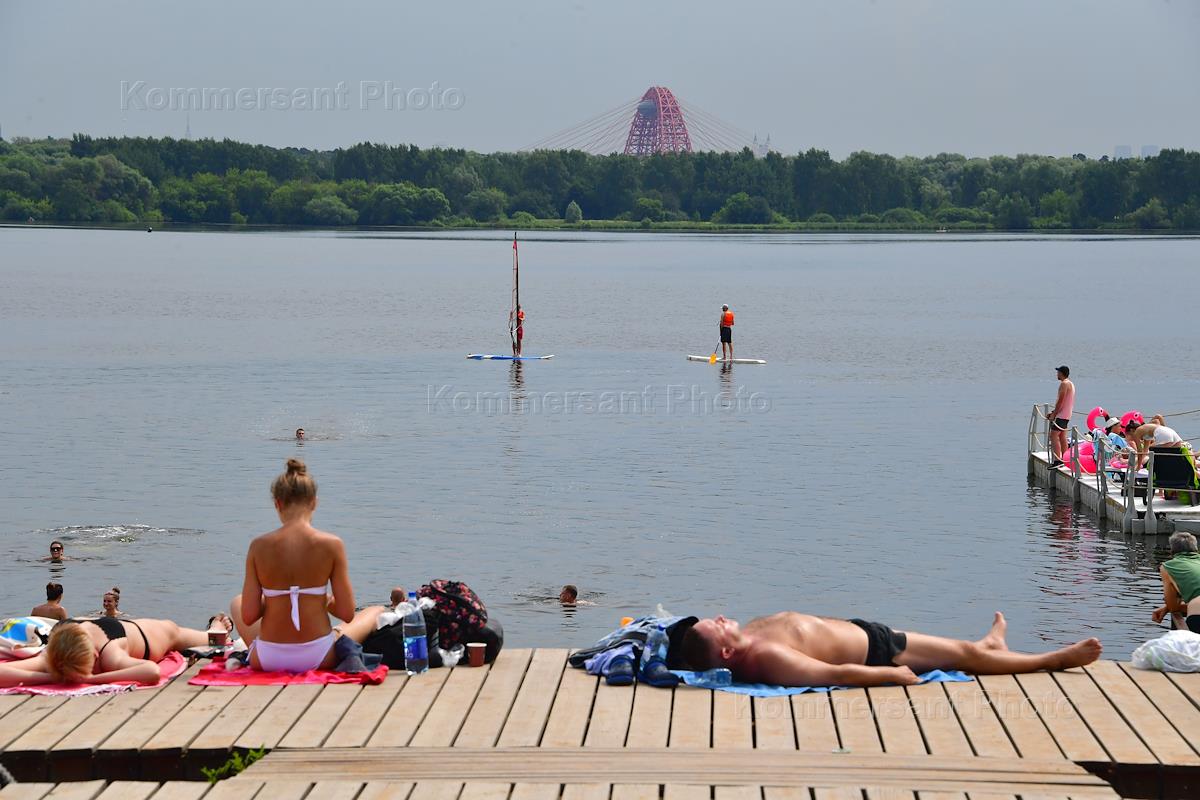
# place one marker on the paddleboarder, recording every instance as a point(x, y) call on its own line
point(518, 331)
point(726, 333)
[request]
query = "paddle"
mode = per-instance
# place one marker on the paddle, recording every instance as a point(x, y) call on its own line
point(713, 358)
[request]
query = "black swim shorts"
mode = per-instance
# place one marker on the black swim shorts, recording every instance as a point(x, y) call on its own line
point(726, 334)
point(1060, 423)
point(883, 643)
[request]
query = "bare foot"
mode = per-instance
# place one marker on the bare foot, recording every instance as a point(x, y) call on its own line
point(1080, 653)
point(995, 638)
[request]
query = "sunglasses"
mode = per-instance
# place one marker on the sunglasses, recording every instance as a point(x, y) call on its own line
point(55, 549)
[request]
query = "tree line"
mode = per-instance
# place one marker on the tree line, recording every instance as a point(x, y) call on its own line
point(127, 180)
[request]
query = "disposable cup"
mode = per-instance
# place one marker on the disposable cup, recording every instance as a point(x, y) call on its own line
point(475, 653)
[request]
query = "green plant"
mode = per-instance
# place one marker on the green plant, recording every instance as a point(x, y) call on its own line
point(236, 764)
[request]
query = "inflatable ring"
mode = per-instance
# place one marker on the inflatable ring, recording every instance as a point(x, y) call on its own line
point(1132, 416)
point(1087, 457)
point(1096, 417)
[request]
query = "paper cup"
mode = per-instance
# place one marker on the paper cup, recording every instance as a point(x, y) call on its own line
point(218, 638)
point(475, 653)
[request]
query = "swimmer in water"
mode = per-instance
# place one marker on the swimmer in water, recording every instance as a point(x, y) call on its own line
point(53, 607)
point(569, 596)
point(56, 553)
point(112, 599)
point(299, 434)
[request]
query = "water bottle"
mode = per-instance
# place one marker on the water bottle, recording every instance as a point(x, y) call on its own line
point(712, 678)
point(654, 659)
point(416, 646)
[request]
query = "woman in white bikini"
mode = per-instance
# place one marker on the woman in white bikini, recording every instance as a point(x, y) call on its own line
point(284, 608)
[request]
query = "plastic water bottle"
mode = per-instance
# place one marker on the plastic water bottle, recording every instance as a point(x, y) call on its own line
point(416, 646)
point(713, 678)
point(654, 660)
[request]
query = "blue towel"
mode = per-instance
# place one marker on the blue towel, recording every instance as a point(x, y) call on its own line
point(768, 690)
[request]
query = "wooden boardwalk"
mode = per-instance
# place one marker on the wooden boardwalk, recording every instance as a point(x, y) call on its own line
point(531, 727)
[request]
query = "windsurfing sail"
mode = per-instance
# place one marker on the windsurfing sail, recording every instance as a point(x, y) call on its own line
point(516, 297)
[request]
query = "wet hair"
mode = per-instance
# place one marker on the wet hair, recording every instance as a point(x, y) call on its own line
point(69, 653)
point(570, 591)
point(294, 485)
point(53, 591)
point(116, 595)
point(1065, 370)
point(1182, 542)
point(697, 652)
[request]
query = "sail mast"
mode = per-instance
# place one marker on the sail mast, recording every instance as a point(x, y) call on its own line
point(516, 296)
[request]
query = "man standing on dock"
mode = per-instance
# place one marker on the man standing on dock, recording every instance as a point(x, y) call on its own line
point(726, 333)
point(1060, 417)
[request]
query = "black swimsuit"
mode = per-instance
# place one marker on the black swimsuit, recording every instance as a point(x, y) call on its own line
point(113, 629)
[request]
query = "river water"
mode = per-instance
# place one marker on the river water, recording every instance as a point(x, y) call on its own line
point(874, 467)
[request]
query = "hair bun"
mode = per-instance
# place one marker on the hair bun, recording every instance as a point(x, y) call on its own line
point(296, 467)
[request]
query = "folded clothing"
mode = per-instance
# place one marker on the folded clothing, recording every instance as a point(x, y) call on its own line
point(215, 674)
point(171, 665)
point(767, 690)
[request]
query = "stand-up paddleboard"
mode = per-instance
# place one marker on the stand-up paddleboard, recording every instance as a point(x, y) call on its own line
point(728, 360)
point(494, 357)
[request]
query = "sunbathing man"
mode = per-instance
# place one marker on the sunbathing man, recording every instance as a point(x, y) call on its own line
point(793, 649)
point(103, 650)
point(284, 608)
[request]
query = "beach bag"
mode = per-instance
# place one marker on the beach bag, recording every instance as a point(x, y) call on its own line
point(1176, 651)
point(461, 614)
point(388, 641)
point(24, 637)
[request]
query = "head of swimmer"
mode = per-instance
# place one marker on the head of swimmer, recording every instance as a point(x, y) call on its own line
point(569, 595)
point(294, 491)
point(112, 601)
point(710, 643)
point(56, 550)
point(299, 433)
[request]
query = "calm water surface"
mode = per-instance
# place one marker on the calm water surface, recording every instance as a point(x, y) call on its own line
point(875, 467)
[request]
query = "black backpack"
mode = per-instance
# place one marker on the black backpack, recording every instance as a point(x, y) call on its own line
point(389, 642)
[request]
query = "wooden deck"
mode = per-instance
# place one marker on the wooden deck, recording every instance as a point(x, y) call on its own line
point(530, 727)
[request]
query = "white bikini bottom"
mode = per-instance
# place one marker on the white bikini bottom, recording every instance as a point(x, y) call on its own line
point(289, 657)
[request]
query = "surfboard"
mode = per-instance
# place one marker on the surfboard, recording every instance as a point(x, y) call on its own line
point(729, 360)
point(496, 357)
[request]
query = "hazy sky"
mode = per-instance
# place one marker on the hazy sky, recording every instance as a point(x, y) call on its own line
point(916, 77)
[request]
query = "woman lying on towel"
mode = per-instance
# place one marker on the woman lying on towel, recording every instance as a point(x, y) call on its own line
point(103, 650)
point(284, 607)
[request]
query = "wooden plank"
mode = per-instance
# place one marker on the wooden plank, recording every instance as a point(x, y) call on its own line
point(235, 789)
point(733, 721)
point(610, 716)
point(855, 721)
point(128, 790)
point(1055, 710)
point(892, 793)
point(233, 720)
point(535, 791)
point(1122, 744)
point(410, 707)
point(81, 790)
point(632, 791)
point(10, 702)
point(1154, 729)
point(437, 790)
point(285, 790)
point(335, 790)
point(363, 717)
point(1168, 699)
point(151, 717)
point(1027, 731)
point(531, 708)
point(816, 729)
point(486, 719)
point(896, 722)
point(273, 723)
point(837, 793)
point(939, 724)
point(181, 790)
point(588, 791)
point(26, 791)
point(386, 790)
point(979, 720)
point(320, 718)
point(193, 719)
point(33, 711)
point(484, 791)
point(690, 791)
point(743, 792)
point(691, 717)
point(650, 720)
point(774, 728)
point(446, 716)
point(787, 792)
point(50, 730)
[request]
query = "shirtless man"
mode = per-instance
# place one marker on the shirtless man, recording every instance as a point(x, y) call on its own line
point(791, 649)
point(53, 607)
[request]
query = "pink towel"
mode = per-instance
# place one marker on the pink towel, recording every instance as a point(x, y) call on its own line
point(215, 674)
point(172, 664)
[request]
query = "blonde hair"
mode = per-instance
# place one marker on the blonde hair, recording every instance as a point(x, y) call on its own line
point(70, 653)
point(295, 485)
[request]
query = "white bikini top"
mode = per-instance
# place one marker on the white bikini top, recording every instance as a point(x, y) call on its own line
point(295, 592)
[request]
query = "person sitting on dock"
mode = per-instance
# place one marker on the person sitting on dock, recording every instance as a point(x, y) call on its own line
point(284, 607)
point(1060, 417)
point(792, 649)
point(1181, 584)
point(103, 650)
point(53, 607)
point(1110, 432)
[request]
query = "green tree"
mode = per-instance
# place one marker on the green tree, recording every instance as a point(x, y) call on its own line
point(573, 213)
point(650, 208)
point(1014, 213)
point(328, 209)
point(486, 204)
point(742, 209)
point(1150, 216)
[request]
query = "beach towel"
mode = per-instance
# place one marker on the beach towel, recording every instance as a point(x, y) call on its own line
point(215, 674)
point(768, 690)
point(171, 665)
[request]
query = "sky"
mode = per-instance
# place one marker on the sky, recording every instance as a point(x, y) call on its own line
point(906, 77)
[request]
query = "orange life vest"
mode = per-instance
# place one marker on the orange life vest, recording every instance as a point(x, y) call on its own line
point(727, 319)
point(520, 317)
